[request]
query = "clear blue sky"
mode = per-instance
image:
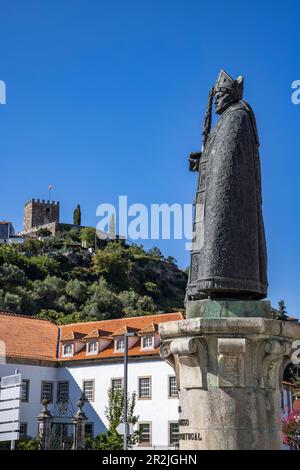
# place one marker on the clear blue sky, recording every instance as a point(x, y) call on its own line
point(106, 98)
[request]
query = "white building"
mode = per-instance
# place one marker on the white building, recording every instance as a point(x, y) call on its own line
point(65, 361)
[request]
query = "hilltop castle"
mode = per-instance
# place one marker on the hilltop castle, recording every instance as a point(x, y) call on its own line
point(40, 212)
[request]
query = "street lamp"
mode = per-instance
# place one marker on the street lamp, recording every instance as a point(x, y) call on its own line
point(126, 336)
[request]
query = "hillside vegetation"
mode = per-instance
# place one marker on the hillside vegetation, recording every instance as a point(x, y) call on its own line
point(55, 278)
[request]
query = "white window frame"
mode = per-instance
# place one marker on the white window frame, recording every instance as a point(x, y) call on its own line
point(148, 397)
point(93, 389)
point(112, 381)
point(146, 337)
point(70, 353)
point(25, 385)
point(172, 444)
point(58, 389)
point(117, 340)
point(171, 395)
point(148, 444)
point(88, 345)
point(52, 390)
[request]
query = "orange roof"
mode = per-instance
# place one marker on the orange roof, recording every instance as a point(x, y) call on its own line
point(73, 336)
point(125, 329)
point(119, 326)
point(28, 337)
point(151, 328)
point(31, 338)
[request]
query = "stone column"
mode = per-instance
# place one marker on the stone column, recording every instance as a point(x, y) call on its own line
point(229, 372)
point(79, 421)
point(44, 426)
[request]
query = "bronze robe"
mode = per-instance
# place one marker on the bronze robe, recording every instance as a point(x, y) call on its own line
point(228, 258)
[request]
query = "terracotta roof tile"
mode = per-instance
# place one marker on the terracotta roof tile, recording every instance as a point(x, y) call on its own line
point(28, 337)
point(73, 336)
point(151, 328)
point(125, 329)
point(118, 326)
point(31, 338)
point(97, 334)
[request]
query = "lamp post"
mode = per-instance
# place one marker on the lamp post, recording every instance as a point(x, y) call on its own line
point(126, 336)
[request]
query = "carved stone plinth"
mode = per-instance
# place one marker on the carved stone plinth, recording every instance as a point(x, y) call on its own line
point(44, 426)
point(229, 373)
point(79, 422)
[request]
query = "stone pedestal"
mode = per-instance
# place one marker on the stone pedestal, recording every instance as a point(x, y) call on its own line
point(44, 426)
point(229, 372)
point(79, 421)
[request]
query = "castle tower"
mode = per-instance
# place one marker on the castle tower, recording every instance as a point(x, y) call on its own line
point(40, 212)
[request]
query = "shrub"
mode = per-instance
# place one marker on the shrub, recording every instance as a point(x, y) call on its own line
point(291, 430)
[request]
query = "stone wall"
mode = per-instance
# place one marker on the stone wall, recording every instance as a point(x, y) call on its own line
point(40, 213)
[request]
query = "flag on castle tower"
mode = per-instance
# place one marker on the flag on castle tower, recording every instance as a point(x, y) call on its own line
point(50, 186)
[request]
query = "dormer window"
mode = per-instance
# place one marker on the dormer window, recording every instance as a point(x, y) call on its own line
point(119, 345)
point(148, 342)
point(92, 347)
point(68, 349)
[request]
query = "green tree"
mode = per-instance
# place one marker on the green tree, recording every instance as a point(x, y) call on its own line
point(282, 313)
point(43, 232)
point(10, 302)
point(39, 267)
point(172, 260)
point(60, 318)
point(11, 255)
point(47, 292)
point(32, 246)
point(114, 413)
point(72, 236)
point(156, 253)
point(152, 289)
point(134, 304)
point(113, 263)
point(63, 305)
point(11, 275)
point(88, 235)
point(102, 302)
point(29, 443)
point(76, 290)
point(77, 215)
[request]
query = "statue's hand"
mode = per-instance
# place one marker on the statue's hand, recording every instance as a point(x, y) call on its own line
point(194, 160)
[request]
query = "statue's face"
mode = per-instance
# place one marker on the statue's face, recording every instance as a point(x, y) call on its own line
point(223, 99)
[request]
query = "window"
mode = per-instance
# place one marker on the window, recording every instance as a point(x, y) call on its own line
point(68, 349)
point(147, 342)
point(89, 430)
point(23, 430)
point(145, 434)
point(119, 345)
point(63, 392)
point(89, 390)
point(173, 434)
point(47, 391)
point(144, 387)
point(116, 384)
point(25, 390)
point(92, 347)
point(173, 392)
